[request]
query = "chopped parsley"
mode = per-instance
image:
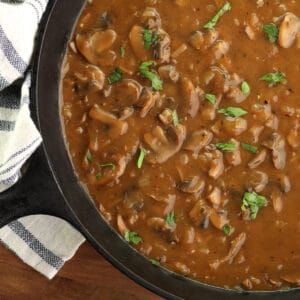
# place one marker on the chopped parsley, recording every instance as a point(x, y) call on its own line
point(249, 147)
point(133, 237)
point(245, 88)
point(154, 262)
point(89, 156)
point(171, 219)
point(108, 165)
point(226, 147)
point(234, 112)
point(253, 202)
point(175, 118)
point(150, 38)
point(156, 82)
point(141, 158)
point(115, 76)
point(213, 22)
point(210, 98)
point(227, 229)
point(99, 176)
point(122, 51)
point(271, 31)
point(274, 78)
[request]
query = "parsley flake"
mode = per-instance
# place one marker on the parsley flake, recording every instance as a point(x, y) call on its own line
point(213, 22)
point(150, 38)
point(253, 202)
point(271, 31)
point(133, 237)
point(226, 147)
point(115, 76)
point(141, 158)
point(234, 112)
point(171, 219)
point(245, 88)
point(210, 98)
point(249, 147)
point(175, 118)
point(274, 78)
point(156, 82)
point(227, 229)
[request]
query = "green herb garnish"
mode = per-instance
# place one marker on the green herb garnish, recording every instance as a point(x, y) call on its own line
point(249, 148)
point(210, 98)
point(156, 82)
point(150, 38)
point(234, 112)
point(108, 165)
point(175, 118)
point(226, 147)
point(227, 229)
point(271, 31)
point(273, 78)
point(154, 262)
point(99, 176)
point(141, 158)
point(171, 219)
point(115, 76)
point(253, 202)
point(245, 88)
point(133, 237)
point(213, 22)
point(89, 156)
point(122, 51)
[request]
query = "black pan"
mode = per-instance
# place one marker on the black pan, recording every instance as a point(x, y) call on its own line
point(50, 185)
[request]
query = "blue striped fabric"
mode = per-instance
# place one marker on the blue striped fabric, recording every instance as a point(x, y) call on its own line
point(43, 242)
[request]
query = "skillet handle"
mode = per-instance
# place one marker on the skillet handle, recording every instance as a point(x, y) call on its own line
point(35, 193)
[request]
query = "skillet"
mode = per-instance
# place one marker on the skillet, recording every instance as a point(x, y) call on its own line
point(50, 185)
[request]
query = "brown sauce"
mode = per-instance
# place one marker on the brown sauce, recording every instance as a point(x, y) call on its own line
point(185, 128)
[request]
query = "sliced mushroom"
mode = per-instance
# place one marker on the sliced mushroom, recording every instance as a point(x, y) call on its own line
point(164, 144)
point(285, 184)
point(210, 38)
point(236, 246)
point(214, 197)
point(258, 159)
point(195, 185)
point(196, 40)
point(93, 45)
point(262, 112)
point(121, 225)
point(277, 200)
point(151, 18)
point(166, 116)
point(288, 31)
point(277, 144)
point(217, 165)
point(293, 279)
point(293, 137)
point(220, 49)
point(218, 219)
point(234, 157)
point(200, 214)
point(235, 126)
point(168, 72)
point(182, 268)
point(162, 50)
point(190, 96)
point(255, 132)
point(147, 101)
point(116, 126)
point(258, 181)
point(91, 75)
point(198, 141)
point(166, 231)
point(137, 43)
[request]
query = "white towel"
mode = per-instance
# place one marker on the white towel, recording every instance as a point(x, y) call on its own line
point(43, 242)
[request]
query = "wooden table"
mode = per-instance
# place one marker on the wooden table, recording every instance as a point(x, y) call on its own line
point(86, 276)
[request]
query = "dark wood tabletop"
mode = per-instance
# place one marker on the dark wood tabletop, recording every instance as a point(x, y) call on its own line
point(87, 276)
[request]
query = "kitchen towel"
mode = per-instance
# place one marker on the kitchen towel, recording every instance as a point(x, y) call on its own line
point(43, 242)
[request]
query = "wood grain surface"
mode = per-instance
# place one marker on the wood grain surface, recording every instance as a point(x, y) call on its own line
point(87, 276)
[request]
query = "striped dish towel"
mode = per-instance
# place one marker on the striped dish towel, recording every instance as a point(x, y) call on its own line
point(43, 242)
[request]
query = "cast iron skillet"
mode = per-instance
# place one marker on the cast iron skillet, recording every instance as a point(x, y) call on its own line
point(50, 186)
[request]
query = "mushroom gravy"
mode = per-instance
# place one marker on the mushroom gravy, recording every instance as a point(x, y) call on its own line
point(182, 118)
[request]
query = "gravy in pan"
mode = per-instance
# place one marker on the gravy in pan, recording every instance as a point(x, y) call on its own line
point(182, 117)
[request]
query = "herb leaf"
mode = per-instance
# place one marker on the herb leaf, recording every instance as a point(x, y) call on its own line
point(211, 98)
point(89, 156)
point(141, 158)
point(253, 202)
point(226, 147)
point(234, 112)
point(154, 262)
point(99, 176)
point(213, 22)
point(271, 31)
point(273, 78)
point(115, 76)
point(227, 229)
point(245, 88)
point(175, 118)
point(150, 38)
point(171, 219)
point(122, 51)
point(133, 237)
point(249, 147)
point(108, 165)
point(157, 83)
